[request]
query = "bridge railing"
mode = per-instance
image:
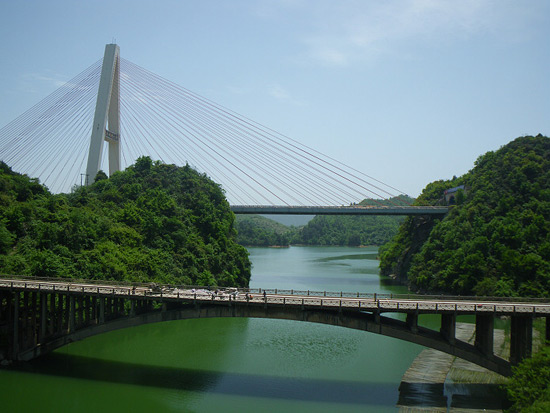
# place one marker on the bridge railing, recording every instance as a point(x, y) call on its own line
point(152, 288)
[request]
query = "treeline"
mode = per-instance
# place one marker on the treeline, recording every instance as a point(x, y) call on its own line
point(151, 222)
point(353, 230)
point(258, 231)
point(324, 230)
point(495, 241)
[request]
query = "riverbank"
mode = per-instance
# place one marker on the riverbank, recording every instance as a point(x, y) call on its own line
point(439, 382)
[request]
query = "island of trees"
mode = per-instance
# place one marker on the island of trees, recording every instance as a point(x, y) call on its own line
point(151, 222)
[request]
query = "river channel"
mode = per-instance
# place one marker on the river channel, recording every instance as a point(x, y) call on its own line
point(230, 365)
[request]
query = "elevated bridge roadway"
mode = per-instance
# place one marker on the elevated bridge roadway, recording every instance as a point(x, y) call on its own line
point(339, 210)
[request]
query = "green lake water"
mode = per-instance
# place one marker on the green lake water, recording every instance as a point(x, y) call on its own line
point(230, 365)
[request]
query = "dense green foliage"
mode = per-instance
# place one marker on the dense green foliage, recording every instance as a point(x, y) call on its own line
point(352, 230)
point(151, 222)
point(255, 230)
point(495, 241)
point(323, 229)
point(528, 387)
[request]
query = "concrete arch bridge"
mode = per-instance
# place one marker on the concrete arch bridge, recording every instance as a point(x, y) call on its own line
point(38, 316)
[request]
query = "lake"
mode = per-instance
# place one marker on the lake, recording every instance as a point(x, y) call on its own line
point(231, 365)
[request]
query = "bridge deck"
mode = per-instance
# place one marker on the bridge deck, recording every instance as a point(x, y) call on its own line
point(339, 210)
point(347, 301)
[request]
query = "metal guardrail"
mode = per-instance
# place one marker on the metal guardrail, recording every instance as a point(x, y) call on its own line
point(276, 291)
point(320, 302)
point(353, 301)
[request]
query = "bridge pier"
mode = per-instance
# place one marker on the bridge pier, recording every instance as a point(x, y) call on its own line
point(521, 342)
point(101, 310)
point(71, 314)
point(15, 339)
point(484, 340)
point(43, 316)
point(448, 327)
point(412, 322)
point(132, 308)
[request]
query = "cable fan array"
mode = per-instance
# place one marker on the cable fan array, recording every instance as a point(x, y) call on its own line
point(50, 140)
point(254, 164)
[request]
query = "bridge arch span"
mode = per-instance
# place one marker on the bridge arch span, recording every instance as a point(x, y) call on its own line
point(364, 321)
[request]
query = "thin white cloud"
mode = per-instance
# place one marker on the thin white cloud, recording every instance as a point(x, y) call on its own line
point(339, 33)
point(55, 80)
point(280, 93)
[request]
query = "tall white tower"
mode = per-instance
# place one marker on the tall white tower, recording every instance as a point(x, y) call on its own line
point(106, 124)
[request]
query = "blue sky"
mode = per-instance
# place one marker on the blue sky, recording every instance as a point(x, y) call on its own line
point(408, 91)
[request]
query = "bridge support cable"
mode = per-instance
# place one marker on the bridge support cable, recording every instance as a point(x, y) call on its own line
point(198, 135)
point(230, 137)
point(215, 126)
point(129, 117)
point(256, 170)
point(197, 139)
point(47, 140)
point(254, 164)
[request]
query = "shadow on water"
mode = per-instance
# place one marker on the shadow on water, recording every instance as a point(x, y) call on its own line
point(390, 282)
point(184, 379)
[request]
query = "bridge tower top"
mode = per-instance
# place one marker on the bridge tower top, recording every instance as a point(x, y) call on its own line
point(106, 126)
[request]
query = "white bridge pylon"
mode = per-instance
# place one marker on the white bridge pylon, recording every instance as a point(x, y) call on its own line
point(106, 126)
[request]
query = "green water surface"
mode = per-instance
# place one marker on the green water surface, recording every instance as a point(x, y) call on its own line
point(230, 365)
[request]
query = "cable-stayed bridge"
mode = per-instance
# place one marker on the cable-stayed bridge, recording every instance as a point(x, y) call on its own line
point(121, 107)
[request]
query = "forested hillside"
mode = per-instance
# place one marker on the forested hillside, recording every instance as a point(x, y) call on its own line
point(255, 230)
point(151, 222)
point(352, 230)
point(495, 241)
point(323, 230)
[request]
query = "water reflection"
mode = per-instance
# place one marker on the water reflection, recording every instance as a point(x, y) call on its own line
point(452, 395)
point(185, 379)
